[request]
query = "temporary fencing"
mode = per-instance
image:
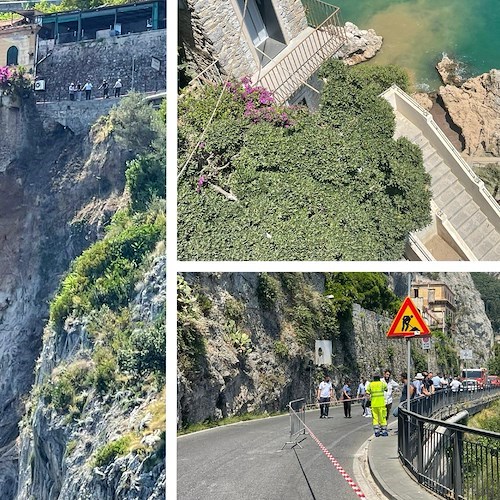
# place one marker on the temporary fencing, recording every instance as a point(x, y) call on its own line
point(297, 409)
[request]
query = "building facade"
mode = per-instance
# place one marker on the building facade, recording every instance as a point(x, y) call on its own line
point(436, 301)
point(18, 44)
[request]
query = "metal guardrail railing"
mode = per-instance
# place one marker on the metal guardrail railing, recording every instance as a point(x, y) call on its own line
point(297, 66)
point(452, 460)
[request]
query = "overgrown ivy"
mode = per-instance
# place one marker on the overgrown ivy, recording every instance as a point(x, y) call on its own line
point(326, 186)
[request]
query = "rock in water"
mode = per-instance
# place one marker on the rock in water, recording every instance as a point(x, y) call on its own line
point(449, 71)
point(475, 108)
point(361, 45)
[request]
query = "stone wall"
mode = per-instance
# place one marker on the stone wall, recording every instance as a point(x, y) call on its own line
point(78, 116)
point(109, 58)
point(216, 31)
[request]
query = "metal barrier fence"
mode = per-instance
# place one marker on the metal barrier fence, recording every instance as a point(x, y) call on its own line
point(297, 411)
point(452, 460)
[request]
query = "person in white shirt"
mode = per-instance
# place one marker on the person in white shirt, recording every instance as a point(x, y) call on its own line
point(88, 90)
point(361, 393)
point(118, 87)
point(325, 392)
point(455, 385)
point(391, 386)
point(417, 383)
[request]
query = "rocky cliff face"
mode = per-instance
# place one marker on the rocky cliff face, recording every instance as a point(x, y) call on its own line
point(474, 106)
point(58, 449)
point(276, 365)
point(49, 212)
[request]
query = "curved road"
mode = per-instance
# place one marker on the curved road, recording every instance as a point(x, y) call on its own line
point(244, 461)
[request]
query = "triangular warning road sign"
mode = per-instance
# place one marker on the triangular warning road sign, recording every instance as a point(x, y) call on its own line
point(408, 322)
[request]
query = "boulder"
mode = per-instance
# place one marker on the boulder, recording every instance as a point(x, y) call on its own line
point(424, 100)
point(449, 71)
point(361, 45)
point(475, 108)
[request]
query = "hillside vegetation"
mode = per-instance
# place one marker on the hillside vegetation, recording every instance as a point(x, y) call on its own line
point(280, 183)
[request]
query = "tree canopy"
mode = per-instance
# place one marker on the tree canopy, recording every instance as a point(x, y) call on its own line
point(282, 183)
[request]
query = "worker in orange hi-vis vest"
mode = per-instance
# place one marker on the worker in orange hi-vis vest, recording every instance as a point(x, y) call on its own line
point(376, 390)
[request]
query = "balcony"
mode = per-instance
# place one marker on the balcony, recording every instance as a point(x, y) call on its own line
point(303, 56)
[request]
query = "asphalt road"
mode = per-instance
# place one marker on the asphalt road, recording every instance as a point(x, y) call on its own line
point(244, 461)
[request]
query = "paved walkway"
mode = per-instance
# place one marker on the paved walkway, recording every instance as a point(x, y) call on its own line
point(387, 471)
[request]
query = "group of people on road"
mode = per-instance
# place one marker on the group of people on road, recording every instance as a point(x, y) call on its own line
point(376, 398)
point(376, 395)
point(76, 90)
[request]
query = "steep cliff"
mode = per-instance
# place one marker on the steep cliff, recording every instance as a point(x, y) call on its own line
point(58, 193)
point(47, 179)
point(101, 437)
point(246, 340)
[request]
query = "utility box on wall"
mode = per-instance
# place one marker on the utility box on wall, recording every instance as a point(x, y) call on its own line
point(323, 352)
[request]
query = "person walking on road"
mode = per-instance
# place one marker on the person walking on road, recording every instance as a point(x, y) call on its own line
point(376, 390)
point(325, 393)
point(346, 398)
point(88, 90)
point(391, 386)
point(361, 393)
point(118, 87)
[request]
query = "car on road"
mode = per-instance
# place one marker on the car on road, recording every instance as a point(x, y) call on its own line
point(469, 384)
point(493, 380)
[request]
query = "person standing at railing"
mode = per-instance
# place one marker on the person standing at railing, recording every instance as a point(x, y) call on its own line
point(325, 393)
point(88, 90)
point(391, 386)
point(376, 390)
point(455, 385)
point(417, 384)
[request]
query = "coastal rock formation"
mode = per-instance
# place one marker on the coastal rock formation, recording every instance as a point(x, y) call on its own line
point(361, 45)
point(424, 100)
point(475, 108)
point(449, 71)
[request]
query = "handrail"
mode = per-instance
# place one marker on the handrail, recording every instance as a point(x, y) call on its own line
point(322, 42)
point(438, 454)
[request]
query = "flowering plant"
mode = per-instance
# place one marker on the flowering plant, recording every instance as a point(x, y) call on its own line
point(14, 80)
point(260, 105)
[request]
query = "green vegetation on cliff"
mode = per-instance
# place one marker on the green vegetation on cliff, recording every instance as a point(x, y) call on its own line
point(280, 183)
point(489, 288)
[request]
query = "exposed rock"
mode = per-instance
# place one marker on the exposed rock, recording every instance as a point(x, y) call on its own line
point(424, 100)
point(227, 384)
point(449, 71)
point(361, 45)
point(475, 108)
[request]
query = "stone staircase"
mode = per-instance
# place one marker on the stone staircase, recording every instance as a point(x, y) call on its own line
point(452, 198)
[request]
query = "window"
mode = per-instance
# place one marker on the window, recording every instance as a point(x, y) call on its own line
point(12, 55)
point(415, 293)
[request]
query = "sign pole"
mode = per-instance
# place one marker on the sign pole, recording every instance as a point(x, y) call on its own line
point(408, 344)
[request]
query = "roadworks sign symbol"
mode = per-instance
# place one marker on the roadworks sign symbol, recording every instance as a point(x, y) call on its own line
point(408, 322)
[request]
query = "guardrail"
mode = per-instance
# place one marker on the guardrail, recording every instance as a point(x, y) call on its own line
point(452, 460)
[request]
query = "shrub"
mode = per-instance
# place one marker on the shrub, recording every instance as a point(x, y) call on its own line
point(146, 179)
point(267, 290)
point(234, 309)
point(281, 349)
point(107, 453)
point(334, 186)
point(238, 338)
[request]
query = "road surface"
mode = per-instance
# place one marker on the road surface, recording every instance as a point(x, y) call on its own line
point(244, 461)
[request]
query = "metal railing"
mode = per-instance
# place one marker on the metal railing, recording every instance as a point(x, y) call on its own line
point(297, 66)
point(297, 411)
point(452, 460)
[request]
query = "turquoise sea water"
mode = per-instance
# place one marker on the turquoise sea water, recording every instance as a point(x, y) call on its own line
point(417, 32)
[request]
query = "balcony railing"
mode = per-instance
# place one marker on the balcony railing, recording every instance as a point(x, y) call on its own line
point(297, 63)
